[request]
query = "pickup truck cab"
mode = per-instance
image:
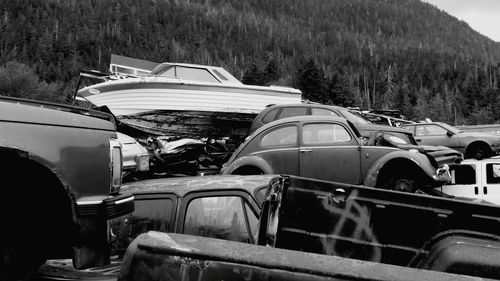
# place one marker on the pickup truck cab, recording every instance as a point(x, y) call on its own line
point(477, 179)
point(310, 227)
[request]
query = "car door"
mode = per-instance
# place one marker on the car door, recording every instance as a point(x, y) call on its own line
point(433, 134)
point(328, 151)
point(490, 187)
point(466, 181)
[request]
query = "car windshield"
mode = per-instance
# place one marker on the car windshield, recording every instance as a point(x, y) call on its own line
point(450, 128)
point(355, 117)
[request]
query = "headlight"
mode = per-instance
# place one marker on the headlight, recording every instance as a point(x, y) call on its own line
point(115, 166)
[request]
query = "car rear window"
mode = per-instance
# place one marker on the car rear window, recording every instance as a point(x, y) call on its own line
point(293, 111)
point(149, 214)
point(493, 173)
point(223, 217)
point(322, 111)
point(279, 137)
point(462, 174)
point(270, 116)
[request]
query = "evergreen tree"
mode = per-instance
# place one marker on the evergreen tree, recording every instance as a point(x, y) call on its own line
point(271, 72)
point(311, 81)
point(253, 76)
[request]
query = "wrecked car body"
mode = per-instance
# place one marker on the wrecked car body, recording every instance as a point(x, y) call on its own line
point(382, 135)
point(329, 148)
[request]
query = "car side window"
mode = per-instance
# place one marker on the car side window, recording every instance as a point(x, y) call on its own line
point(149, 214)
point(430, 130)
point(223, 217)
point(493, 173)
point(270, 116)
point(293, 111)
point(324, 134)
point(322, 111)
point(462, 174)
point(281, 136)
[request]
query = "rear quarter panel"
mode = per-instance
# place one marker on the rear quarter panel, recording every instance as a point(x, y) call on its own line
point(73, 146)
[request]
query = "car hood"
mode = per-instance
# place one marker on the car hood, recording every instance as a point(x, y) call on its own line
point(442, 154)
point(479, 135)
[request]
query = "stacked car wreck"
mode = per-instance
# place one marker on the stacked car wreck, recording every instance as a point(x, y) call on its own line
point(346, 189)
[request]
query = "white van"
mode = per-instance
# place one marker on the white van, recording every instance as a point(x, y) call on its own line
point(478, 179)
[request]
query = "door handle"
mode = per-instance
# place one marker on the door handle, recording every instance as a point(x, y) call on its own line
point(418, 140)
point(305, 150)
point(485, 190)
point(476, 190)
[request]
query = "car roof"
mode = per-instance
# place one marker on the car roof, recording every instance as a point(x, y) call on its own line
point(298, 119)
point(305, 105)
point(183, 185)
point(494, 159)
point(376, 127)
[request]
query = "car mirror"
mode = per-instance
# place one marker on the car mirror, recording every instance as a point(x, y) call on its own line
point(449, 134)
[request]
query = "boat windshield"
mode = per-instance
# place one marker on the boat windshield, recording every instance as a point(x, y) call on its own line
point(185, 73)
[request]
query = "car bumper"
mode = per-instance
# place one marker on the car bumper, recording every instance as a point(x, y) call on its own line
point(109, 208)
point(443, 174)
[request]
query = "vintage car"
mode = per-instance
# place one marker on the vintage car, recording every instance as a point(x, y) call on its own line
point(330, 148)
point(281, 111)
point(472, 145)
point(224, 207)
point(391, 136)
point(477, 179)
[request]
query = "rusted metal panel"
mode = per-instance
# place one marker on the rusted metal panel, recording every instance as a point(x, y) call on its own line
point(191, 123)
point(166, 256)
point(367, 223)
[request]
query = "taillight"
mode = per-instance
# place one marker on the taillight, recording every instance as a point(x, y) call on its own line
point(115, 166)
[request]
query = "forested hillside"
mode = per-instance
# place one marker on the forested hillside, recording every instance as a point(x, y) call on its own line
point(392, 54)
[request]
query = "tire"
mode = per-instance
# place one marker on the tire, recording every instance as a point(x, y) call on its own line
point(400, 183)
point(478, 152)
point(404, 185)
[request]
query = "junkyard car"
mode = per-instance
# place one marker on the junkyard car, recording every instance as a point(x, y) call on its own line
point(224, 207)
point(478, 179)
point(281, 111)
point(329, 148)
point(472, 145)
point(402, 138)
point(135, 156)
point(61, 172)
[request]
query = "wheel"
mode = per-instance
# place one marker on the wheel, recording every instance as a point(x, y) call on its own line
point(478, 152)
point(399, 183)
point(404, 185)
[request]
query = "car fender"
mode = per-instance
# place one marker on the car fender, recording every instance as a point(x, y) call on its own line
point(250, 160)
point(414, 157)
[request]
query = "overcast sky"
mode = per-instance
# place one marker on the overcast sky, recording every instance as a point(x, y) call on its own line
point(482, 15)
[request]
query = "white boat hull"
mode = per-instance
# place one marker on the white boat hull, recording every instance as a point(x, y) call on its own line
point(136, 98)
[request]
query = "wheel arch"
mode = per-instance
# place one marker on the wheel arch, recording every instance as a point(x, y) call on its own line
point(21, 163)
point(399, 162)
point(249, 162)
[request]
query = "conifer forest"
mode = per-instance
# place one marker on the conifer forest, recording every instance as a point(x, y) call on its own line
point(383, 54)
